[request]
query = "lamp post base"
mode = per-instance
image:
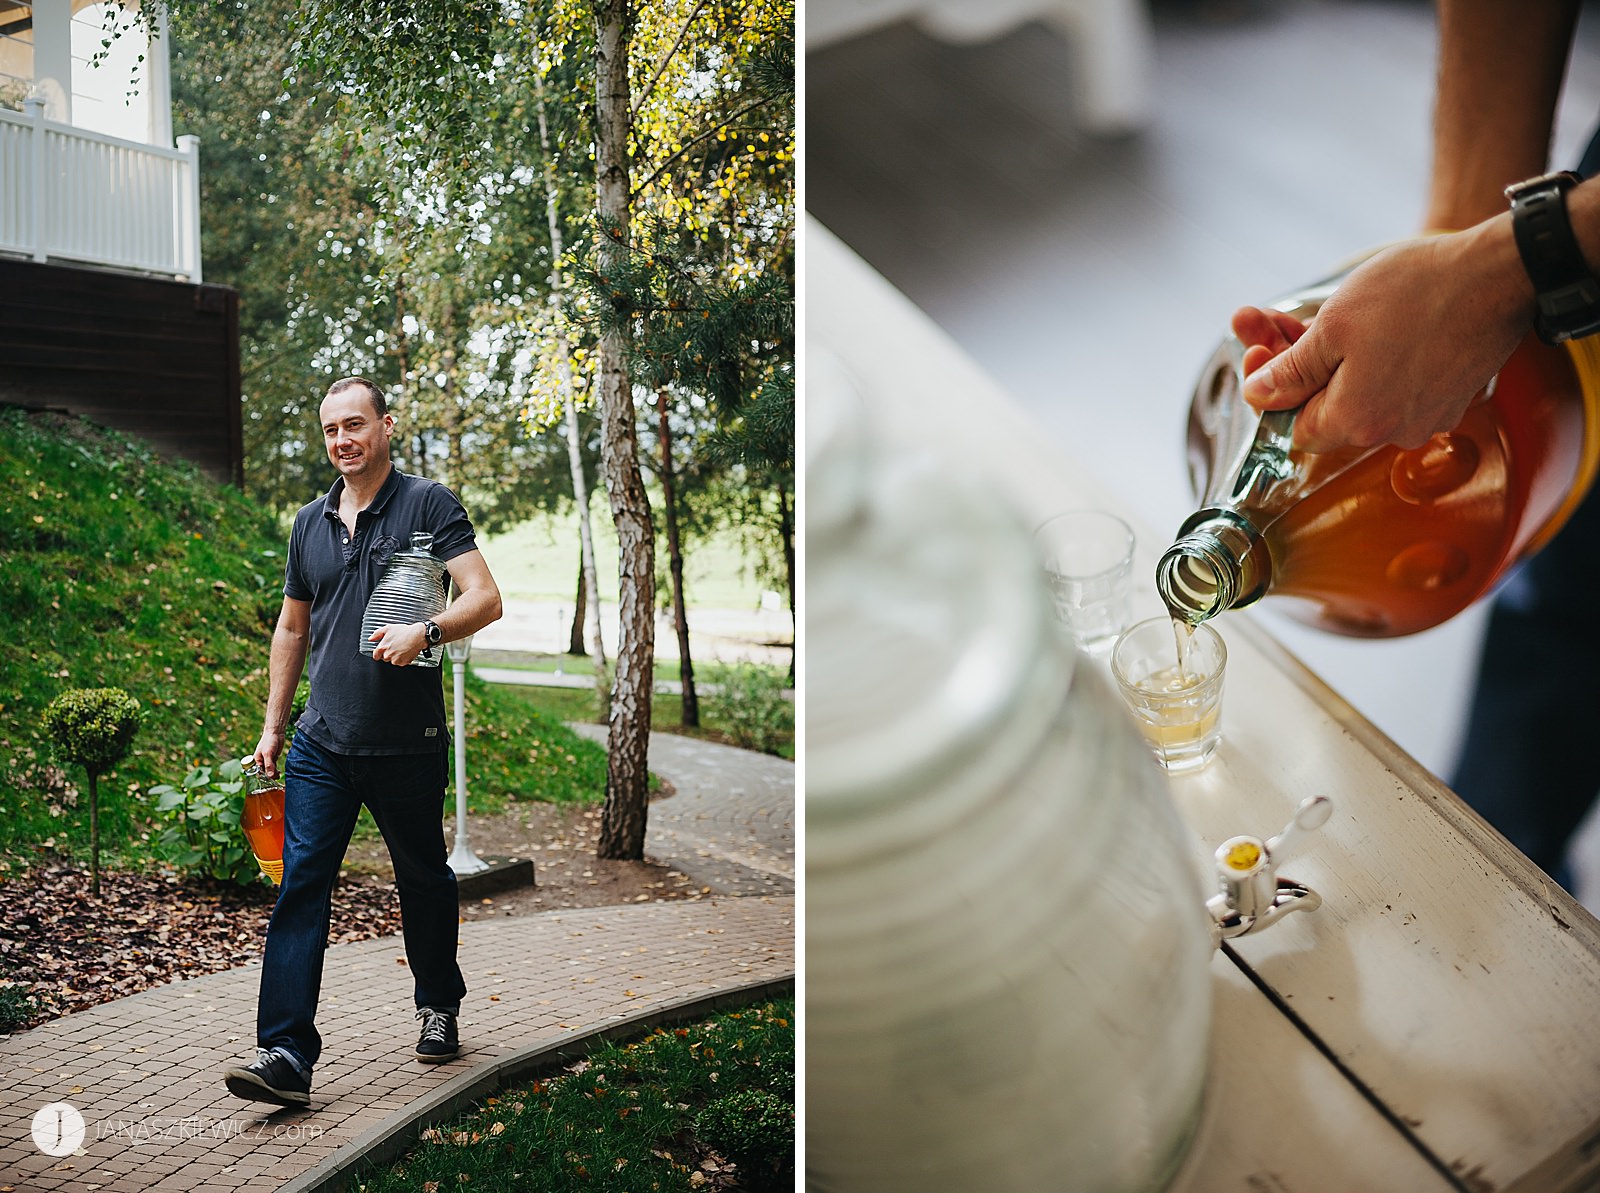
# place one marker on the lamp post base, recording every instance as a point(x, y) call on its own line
point(497, 874)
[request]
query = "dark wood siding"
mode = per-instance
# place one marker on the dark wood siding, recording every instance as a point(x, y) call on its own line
point(153, 358)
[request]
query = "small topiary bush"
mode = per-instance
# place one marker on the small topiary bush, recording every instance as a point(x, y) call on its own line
point(92, 728)
point(754, 1129)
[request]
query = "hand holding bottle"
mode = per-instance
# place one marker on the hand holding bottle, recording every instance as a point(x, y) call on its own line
point(266, 753)
point(1401, 349)
point(399, 644)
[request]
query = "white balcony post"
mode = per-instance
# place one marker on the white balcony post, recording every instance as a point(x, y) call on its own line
point(33, 106)
point(52, 57)
point(158, 71)
point(188, 233)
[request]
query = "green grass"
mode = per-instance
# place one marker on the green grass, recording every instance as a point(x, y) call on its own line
point(666, 709)
point(539, 561)
point(632, 1118)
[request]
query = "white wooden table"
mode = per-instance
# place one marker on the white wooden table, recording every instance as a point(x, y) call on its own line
point(1436, 1024)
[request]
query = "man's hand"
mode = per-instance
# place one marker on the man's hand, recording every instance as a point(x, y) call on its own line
point(399, 644)
point(1401, 348)
point(267, 751)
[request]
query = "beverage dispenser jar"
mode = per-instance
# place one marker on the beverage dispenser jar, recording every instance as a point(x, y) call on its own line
point(1382, 542)
point(412, 588)
point(262, 818)
point(1007, 983)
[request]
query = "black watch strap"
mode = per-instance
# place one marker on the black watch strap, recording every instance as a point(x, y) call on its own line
point(1568, 294)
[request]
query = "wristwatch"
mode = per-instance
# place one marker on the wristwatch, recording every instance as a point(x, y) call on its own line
point(1568, 294)
point(435, 634)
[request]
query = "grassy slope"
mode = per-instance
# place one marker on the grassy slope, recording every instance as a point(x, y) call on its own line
point(120, 569)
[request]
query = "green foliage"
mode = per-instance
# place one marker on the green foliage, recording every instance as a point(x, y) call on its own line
point(91, 727)
point(755, 1129)
point(203, 836)
point(625, 1119)
point(17, 1005)
point(750, 705)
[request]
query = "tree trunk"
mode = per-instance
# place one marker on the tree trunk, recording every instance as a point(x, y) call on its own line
point(680, 619)
point(786, 531)
point(94, 834)
point(622, 820)
point(589, 582)
point(575, 641)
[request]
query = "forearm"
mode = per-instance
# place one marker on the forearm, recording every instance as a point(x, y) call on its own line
point(1500, 72)
point(287, 662)
point(469, 613)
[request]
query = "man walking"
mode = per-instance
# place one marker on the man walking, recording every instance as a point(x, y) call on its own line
point(373, 732)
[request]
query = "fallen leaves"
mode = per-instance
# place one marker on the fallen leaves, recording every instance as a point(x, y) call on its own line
point(75, 951)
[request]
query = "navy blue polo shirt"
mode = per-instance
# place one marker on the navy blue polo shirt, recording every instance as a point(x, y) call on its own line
point(359, 705)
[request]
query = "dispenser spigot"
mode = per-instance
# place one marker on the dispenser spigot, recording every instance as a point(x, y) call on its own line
point(1251, 895)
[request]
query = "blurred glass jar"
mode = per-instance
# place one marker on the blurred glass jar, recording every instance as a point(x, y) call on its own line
point(1007, 982)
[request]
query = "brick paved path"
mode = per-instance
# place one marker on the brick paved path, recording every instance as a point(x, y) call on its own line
point(144, 1071)
point(731, 824)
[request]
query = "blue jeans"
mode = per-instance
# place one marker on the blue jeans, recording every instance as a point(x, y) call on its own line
point(1528, 763)
point(323, 795)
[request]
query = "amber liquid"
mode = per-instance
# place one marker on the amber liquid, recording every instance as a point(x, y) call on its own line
point(1404, 540)
point(262, 821)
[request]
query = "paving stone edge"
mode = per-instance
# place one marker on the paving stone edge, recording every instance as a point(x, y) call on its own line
point(388, 1139)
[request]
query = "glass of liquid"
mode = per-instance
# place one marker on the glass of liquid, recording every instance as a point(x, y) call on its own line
point(1170, 675)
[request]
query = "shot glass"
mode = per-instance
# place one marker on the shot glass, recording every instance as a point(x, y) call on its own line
point(1088, 557)
point(1177, 705)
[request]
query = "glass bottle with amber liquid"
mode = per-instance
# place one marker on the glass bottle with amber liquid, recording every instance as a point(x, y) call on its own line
point(1382, 542)
point(262, 818)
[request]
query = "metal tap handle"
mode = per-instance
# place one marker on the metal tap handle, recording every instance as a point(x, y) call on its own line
point(1311, 815)
point(1250, 894)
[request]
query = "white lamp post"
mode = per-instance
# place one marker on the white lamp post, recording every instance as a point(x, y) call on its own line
point(462, 859)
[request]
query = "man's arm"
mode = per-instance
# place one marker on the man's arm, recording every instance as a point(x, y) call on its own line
point(290, 641)
point(1500, 71)
point(477, 604)
point(1464, 300)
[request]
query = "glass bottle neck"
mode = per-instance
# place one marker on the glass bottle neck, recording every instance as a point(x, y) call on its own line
point(1208, 568)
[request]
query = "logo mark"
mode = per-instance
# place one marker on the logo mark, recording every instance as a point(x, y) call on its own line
point(58, 1129)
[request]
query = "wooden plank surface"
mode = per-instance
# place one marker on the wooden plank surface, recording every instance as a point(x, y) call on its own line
point(1280, 1118)
point(1443, 970)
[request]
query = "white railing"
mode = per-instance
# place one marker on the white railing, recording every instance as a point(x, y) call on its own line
point(71, 195)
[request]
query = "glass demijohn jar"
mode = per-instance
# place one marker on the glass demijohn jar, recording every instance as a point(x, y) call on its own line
point(1382, 542)
point(262, 818)
point(412, 588)
point(1006, 953)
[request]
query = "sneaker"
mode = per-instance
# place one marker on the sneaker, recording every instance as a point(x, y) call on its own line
point(271, 1077)
point(438, 1042)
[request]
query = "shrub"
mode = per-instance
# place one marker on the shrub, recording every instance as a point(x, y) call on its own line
point(92, 727)
point(754, 1129)
point(203, 834)
point(750, 705)
point(17, 1006)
